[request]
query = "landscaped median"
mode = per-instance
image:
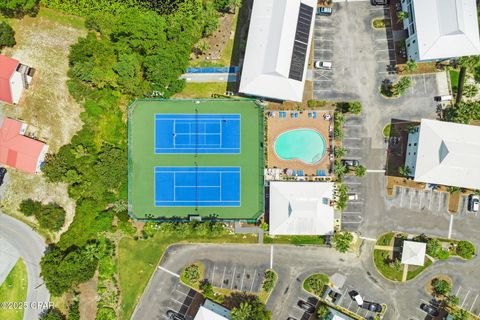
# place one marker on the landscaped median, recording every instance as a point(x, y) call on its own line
point(389, 251)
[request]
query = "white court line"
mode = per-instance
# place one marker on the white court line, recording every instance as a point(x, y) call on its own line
point(271, 257)
point(168, 271)
point(465, 299)
point(450, 227)
point(473, 303)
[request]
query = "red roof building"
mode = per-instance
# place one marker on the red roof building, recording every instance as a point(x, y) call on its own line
point(14, 78)
point(18, 151)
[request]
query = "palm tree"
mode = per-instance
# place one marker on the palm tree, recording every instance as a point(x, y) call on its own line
point(244, 312)
point(405, 171)
point(465, 63)
point(402, 15)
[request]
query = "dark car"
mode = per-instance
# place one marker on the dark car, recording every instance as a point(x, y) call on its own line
point(350, 163)
point(291, 318)
point(3, 171)
point(429, 309)
point(380, 2)
point(334, 295)
point(174, 315)
point(306, 306)
point(324, 11)
point(372, 306)
point(473, 202)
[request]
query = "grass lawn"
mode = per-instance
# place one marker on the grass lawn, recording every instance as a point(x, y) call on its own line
point(454, 78)
point(296, 240)
point(315, 284)
point(137, 260)
point(14, 289)
point(194, 90)
point(385, 239)
point(412, 274)
point(380, 257)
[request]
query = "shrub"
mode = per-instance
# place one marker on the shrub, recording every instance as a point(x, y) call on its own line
point(269, 281)
point(355, 107)
point(7, 35)
point(53, 314)
point(433, 247)
point(323, 312)
point(316, 283)
point(441, 287)
point(191, 274)
point(360, 171)
point(342, 197)
point(342, 241)
point(443, 254)
point(465, 249)
point(340, 152)
point(50, 216)
point(18, 8)
point(402, 86)
point(207, 288)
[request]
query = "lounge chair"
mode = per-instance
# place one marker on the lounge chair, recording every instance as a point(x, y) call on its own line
point(314, 115)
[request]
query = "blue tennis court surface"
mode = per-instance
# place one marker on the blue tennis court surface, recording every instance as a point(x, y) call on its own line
point(197, 133)
point(197, 186)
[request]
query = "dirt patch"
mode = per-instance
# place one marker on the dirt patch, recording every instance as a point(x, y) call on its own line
point(43, 43)
point(403, 182)
point(453, 201)
point(88, 298)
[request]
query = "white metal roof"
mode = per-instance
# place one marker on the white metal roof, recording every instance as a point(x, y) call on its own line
point(414, 253)
point(207, 314)
point(446, 28)
point(301, 208)
point(266, 66)
point(448, 154)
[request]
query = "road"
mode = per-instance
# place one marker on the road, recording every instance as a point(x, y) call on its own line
point(31, 248)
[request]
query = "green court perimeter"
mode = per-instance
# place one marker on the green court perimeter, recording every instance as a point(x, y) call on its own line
point(142, 159)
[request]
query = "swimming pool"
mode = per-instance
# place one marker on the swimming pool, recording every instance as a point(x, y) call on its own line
point(306, 145)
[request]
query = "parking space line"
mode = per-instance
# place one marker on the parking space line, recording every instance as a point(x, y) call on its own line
point(223, 277)
point(169, 272)
point(233, 275)
point(458, 290)
point(439, 201)
point(213, 273)
point(420, 202)
point(450, 227)
point(401, 197)
point(411, 197)
point(352, 138)
point(243, 277)
point(253, 280)
point(351, 212)
point(473, 303)
point(465, 298)
point(176, 301)
point(430, 202)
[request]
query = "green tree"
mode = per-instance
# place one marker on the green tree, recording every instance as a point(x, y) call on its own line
point(62, 270)
point(441, 287)
point(452, 300)
point(463, 112)
point(466, 63)
point(18, 8)
point(460, 314)
point(7, 35)
point(50, 216)
point(470, 90)
point(404, 171)
point(411, 65)
point(342, 241)
point(30, 207)
point(53, 314)
point(465, 249)
point(243, 312)
point(433, 247)
point(250, 309)
point(360, 171)
point(402, 15)
point(207, 288)
point(323, 312)
point(339, 168)
point(402, 86)
point(342, 197)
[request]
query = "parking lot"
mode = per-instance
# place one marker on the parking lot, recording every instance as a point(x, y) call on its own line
point(235, 276)
point(463, 207)
point(298, 313)
point(430, 201)
point(348, 303)
point(355, 146)
point(469, 298)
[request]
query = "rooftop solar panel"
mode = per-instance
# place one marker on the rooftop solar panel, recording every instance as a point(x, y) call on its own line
point(300, 45)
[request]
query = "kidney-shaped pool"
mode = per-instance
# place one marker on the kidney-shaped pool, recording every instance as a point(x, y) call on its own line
point(306, 145)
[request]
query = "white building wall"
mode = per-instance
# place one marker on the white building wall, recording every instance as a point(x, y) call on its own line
point(412, 148)
point(41, 158)
point(16, 86)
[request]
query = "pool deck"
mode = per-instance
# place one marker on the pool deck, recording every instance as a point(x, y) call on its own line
point(277, 126)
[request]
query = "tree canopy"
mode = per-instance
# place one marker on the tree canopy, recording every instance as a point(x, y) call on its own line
point(7, 35)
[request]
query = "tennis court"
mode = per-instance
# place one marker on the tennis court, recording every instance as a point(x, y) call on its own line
point(196, 158)
point(197, 133)
point(197, 186)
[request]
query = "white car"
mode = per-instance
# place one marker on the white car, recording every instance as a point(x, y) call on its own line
point(473, 203)
point(352, 196)
point(357, 297)
point(326, 65)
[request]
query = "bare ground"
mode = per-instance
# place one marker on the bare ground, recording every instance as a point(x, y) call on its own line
point(43, 43)
point(88, 298)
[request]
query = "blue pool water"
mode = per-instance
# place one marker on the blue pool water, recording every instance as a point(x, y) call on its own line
point(306, 145)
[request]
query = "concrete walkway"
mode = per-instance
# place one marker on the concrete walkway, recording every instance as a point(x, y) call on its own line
point(405, 273)
point(386, 248)
point(248, 230)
